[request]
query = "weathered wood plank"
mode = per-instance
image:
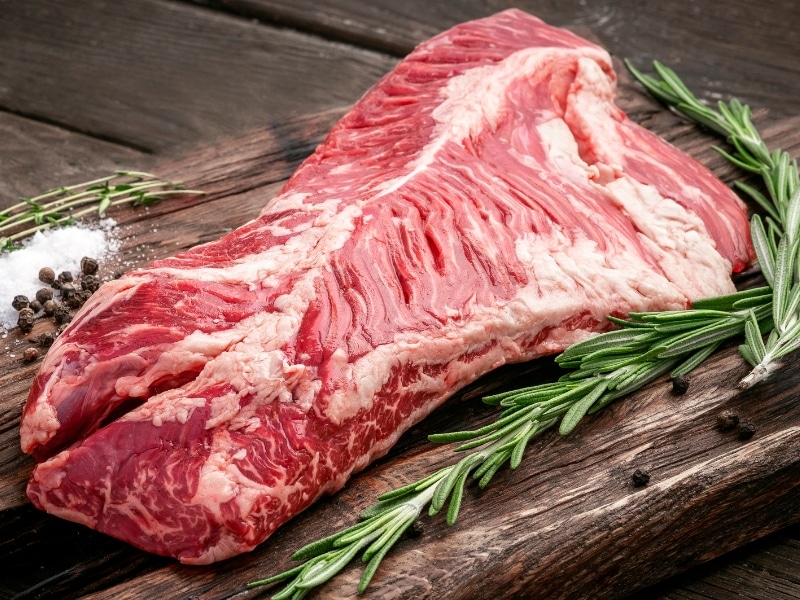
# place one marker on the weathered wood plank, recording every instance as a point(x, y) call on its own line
point(568, 517)
point(783, 563)
point(738, 47)
point(768, 569)
point(61, 557)
point(35, 156)
point(730, 583)
point(155, 75)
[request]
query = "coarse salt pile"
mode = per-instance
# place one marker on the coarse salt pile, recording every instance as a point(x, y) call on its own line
point(61, 249)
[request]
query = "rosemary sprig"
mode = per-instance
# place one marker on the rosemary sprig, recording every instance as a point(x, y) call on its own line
point(385, 522)
point(65, 205)
point(776, 235)
point(607, 366)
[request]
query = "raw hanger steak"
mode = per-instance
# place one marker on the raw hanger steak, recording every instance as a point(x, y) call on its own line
point(485, 202)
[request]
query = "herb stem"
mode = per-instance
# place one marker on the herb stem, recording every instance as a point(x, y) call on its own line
point(60, 191)
point(97, 195)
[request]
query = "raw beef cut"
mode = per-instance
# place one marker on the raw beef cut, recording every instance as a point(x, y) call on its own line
point(485, 202)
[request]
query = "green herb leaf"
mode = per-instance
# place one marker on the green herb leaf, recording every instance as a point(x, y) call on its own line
point(580, 408)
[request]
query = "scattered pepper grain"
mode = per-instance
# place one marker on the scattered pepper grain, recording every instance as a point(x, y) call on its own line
point(746, 430)
point(44, 294)
point(19, 302)
point(90, 283)
point(75, 299)
point(727, 419)
point(49, 307)
point(62, 315)
point(640, 477)
point(67, 290)
point(88, 266)
point(25, 320)
point(679, 385)
point(46, 339)
point(47, 275)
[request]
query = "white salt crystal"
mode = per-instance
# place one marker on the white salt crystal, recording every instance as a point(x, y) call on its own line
point(61, 249)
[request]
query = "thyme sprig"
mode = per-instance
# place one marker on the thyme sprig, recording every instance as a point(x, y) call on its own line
point(776, 235)
point(65, 205)
point(607, 366)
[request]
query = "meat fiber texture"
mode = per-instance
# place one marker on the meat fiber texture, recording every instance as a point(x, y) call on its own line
point(484, 202)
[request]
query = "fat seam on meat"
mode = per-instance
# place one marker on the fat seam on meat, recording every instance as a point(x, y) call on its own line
point(485, 202)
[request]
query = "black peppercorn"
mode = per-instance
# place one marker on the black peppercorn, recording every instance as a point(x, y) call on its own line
point(30, 354)
point(65, 276)
point(640, 477)
point(90, 283)
point(25, 320)
point(44, 294)
point(46, 339)
point(62, 315)
point(49, 307)
point(680, 384)
point(727, 419)
point(20, 302)
point(35, 306)
point(47, 275)
point(88, 266)
point(67, 290)
point(75, 300)
point(746, 430)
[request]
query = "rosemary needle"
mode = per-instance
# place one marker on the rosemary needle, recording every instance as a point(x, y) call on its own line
point(776, 235)
point(610, 365)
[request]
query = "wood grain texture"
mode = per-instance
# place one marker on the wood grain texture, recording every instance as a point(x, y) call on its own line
point(155, 75)
point(36, 156)
point(768, 569)
point(736, 47)
point(567, 523)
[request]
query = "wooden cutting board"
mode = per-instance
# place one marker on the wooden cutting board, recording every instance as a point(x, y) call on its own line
point(568, 523)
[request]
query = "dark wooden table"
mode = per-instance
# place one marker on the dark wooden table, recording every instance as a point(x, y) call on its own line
point(230, 95)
